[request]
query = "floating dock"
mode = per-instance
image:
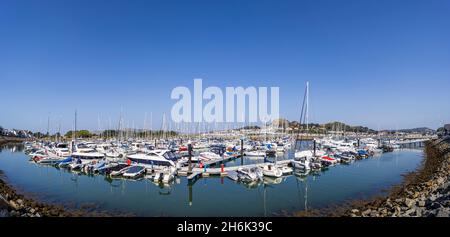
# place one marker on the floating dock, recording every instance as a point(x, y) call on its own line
point(218, 171)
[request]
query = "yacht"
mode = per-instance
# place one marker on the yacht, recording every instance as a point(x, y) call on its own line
point(155, 159)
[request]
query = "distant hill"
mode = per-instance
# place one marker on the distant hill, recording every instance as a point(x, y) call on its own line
point(314, 127)
point(415, 130)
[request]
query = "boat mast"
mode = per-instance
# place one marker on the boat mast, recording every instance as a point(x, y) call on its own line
point(75, 127)
point(307, 107)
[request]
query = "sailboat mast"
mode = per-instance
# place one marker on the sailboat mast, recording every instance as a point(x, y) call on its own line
point(75, 127)
point(307, 107)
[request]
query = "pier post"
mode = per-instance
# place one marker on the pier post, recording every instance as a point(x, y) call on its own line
point(190, 157)
point(242, 151)
point(315, 146)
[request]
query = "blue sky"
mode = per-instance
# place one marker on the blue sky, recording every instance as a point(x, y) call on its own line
point(383, 64)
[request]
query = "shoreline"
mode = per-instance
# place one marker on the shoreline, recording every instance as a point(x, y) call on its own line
point(423, 193)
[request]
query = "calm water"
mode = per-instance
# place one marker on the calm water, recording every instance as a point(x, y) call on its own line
point(209, 196)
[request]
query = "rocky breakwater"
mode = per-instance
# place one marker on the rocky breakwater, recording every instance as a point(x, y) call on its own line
point(16, 205)
point(424, 193)
point(13, 204)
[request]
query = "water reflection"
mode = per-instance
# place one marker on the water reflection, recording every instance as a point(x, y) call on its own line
point(300, 190)
point(12, 147)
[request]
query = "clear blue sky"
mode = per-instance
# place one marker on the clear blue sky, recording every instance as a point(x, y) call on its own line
point(379, 63)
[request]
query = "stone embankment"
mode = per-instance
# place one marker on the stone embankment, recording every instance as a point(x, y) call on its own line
point(424, 193)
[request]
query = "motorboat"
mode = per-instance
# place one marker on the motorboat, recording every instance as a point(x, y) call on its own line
point(249, 174)
point(209, 156)
point(271, 170)
point(50, 160)
point(112, 167)
point(134, 171)
point(327, 160)
point(62, 150)
point(38, 155)
point(64, 162)
point(301, 163)
point(120, 172)
point(285, 170)
point(156, 159)
point(309, 153)
point(255, 153)
point(168, 174)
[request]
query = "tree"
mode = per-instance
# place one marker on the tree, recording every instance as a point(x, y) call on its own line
point(79, 134)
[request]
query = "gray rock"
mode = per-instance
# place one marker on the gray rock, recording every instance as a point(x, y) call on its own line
point(435, 205)
point(355, 211)
point(366, 212)
point(410, 212)
point(432, 197)
point(19, 201)
point(409, 202)
point(32, 210)
point(14, 205)
point(443, 212)
point(421, 203)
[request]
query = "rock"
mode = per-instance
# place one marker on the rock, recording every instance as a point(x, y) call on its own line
point(421, 203)
point(409, 202)
point(37, 215)
point(32, 211)
point(432, 198)
point(14, 205)
point(355, 211)
point(443, 212)
point(366, 212)
point(19, 201)
point(419, 211)
point(435, 205)
point(13, 213)
point(410, 212)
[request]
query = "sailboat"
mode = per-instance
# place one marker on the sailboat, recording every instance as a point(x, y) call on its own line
point(305, 159)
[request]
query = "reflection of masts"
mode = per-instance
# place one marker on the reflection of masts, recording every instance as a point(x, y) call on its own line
point(264, 199)
point(306, 196)
point(75, 180)
point(190, 194)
